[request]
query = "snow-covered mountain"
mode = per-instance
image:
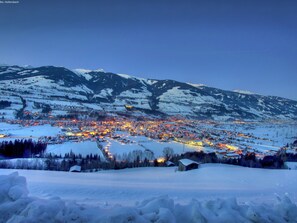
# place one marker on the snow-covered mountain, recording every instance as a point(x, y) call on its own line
point(63, 91)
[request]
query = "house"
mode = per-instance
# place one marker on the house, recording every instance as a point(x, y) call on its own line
point(75, 168)
point(187, 164)
point(3, 135)
point(232, 155)
point(290, 165)
point(129, 107)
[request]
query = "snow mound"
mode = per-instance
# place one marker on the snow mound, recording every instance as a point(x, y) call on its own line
point(17, 206)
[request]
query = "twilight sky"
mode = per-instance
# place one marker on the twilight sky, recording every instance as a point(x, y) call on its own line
point(232, 44)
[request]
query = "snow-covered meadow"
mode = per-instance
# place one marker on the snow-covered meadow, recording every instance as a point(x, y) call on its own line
point(212, 193)
point(278, 134)
point(84, 148)
point(142, 143)
point(25, 132)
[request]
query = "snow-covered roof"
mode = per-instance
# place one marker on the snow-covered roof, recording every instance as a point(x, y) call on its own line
point(168, 163)
point(232, 154)
point(75, 168)
point(187, 162)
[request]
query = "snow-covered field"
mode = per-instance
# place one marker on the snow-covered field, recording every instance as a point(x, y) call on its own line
point(143, 143)
point(84, 148)
point(221, 193)
point(21, 132)
point(278, 134)
point(130, 185)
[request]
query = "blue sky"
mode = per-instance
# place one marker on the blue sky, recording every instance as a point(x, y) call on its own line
point(249, 45)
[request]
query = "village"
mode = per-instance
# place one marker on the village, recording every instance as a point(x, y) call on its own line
point(230, 140)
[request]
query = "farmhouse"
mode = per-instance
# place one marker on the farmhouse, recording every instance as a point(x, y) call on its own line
point(187, 164)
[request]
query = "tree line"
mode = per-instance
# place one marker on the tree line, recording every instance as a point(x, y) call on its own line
point(93, 162)
point(4, 104)
point(22, 148)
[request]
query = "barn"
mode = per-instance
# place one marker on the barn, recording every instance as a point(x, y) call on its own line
point(187, 164)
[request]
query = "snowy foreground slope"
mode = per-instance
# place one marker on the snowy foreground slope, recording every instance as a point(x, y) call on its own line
point(214, 193)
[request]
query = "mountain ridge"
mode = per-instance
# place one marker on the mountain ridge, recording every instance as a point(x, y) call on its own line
point(65, 90)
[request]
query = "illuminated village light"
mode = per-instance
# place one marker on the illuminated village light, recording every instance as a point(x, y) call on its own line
point(231, 147)
point(161, 160)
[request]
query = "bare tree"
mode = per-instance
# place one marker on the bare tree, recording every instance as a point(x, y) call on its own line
point(168, 153)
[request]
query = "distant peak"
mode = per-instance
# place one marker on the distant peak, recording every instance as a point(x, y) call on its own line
point(8, 65)
point(84, 71)
point(243, 92)
point(197, 85)
point(27, 66)
point(125, 76)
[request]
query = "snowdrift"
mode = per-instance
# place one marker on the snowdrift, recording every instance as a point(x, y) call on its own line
point(17, 206)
